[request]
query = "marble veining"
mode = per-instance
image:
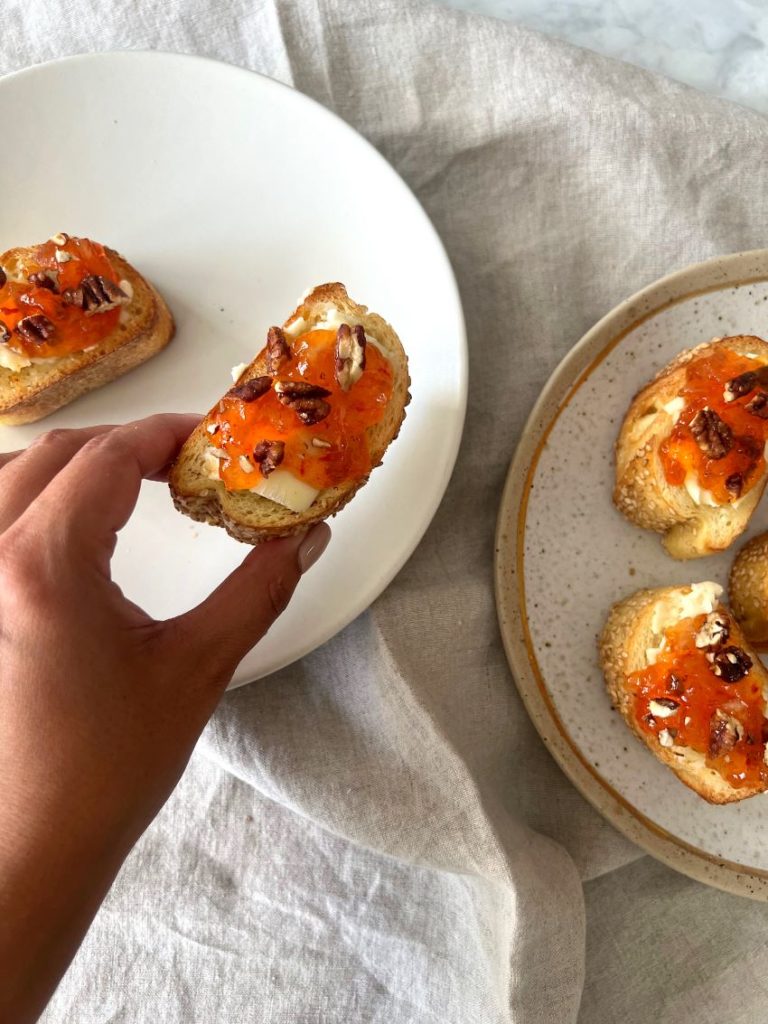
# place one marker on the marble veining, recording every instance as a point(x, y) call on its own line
point(718, 46)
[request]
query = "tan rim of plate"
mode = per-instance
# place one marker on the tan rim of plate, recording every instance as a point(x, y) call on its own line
point(723, 272)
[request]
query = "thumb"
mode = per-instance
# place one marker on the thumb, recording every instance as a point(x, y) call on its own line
point(221, 630)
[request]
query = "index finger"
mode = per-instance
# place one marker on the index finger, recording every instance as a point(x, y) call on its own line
point(95, 493)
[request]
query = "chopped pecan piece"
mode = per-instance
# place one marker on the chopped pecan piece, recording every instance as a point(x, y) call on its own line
point(758, 405)
point(714, 632)
point(45, 279)
point(251, 390)
point(307, 400)
point(60, 239)
point(268, 455)
point(350, 355)
point(712, 435)
point(3, 277)
point(740, 386)
point(95, 294)
point(734, 484)
point(278, 350)
point(662, 707)
point(35, 329)
point(5, 334)
point(724, 733)
point(674, 684)
point(731, 664)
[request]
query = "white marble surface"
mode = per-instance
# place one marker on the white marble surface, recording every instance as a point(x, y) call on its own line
point(719, 46)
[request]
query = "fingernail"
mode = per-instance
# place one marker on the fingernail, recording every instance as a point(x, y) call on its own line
point(313, 545)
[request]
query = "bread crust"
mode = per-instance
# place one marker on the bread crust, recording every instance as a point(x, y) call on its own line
point(252, 519)
point(36, 391)
point(623, 643)
point(642, 493)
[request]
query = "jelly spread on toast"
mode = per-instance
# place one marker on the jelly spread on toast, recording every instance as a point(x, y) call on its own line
point(68, 300)
point(308, 414)
point(702, 693)
point(719, 437)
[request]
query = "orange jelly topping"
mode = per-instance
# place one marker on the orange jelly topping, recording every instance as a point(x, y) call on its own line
point(73, 330)
point(683, 681)
point(743, 464)
point(344, 454)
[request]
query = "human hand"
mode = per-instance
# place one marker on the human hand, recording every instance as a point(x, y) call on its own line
point(101, 705)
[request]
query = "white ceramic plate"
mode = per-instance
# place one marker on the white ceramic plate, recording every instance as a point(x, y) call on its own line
point(564, 555)
point(233, 194)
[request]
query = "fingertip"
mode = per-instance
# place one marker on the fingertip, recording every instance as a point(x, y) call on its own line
point(312, 546)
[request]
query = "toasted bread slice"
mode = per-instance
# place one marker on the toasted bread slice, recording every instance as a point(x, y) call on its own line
point(38, 390)
point(642, 493)
point(626, 638)
point(748, 590)
point(251, 518)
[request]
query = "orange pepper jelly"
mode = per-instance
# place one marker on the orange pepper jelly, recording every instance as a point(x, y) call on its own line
point(322, 454)
point(683, 702)
point(719, 440)
point(67, 302)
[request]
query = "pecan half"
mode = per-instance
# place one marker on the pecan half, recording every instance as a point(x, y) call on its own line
point(268, 455)
point(45, 279)
point(251, 390)
point(731, 664)
point(714, 632)
point(734, 484)
point(278, 350)
point(724, 733)
point(95, 294)
point(3, 277)
point(712, 435)
point(350, 355)
point(35, 329)
point(758, 405)
point(740, 386)
point(307, 400)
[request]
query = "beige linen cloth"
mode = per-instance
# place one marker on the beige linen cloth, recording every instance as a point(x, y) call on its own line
point(376, 834)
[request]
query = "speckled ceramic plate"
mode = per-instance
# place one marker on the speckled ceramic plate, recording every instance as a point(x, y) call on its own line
point(564, 556)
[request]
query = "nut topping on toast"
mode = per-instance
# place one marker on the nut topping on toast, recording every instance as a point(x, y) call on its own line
point(278, 351)
point(724, 733)
point(5, 334)
point(714, 632)
point(350, 355)
point(45, 279)
point(731, 664)
point(713, 436)
point(268, 455)
point(95, 294)
point(251, 390)
point(758, 405)
point(307, 400)
point(3, 277)
point(35, 329)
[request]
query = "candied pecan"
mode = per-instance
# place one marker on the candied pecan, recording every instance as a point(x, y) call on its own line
point(758, 405)
point(251, 390)
point(350, 355)
point(268, 455)
point(95, 294)
point(307, 400)
point(713, 436)
point(723, 733)
point(278, 350)
point(35, 329)
point(3, 277)
point(44, 279)
point(734, 484)
point(731, 664)
point(714, 632)
point(740, 386)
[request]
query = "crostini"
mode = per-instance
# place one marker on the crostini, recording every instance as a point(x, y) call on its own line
point(748, 590)
point(307, 420)
point(73, 316)
point(690, 456)
point(678, 668)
